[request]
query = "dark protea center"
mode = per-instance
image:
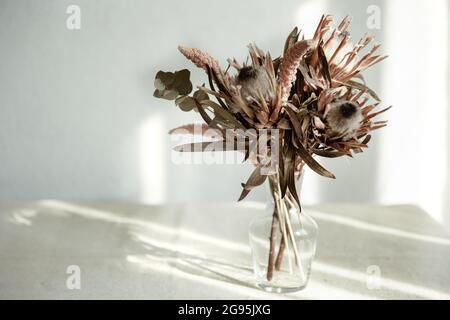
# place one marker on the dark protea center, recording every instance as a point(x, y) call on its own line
point(347, 109)
point(247, 73)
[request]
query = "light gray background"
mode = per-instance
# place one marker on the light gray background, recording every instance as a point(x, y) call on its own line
point(78, 120)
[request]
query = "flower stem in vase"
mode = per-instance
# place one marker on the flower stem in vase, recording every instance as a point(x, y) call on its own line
point(272, 246)
point(282, 217)
point(280, 255)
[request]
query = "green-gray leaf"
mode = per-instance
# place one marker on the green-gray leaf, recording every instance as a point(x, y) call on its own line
point(185, 103)
point(170, 85)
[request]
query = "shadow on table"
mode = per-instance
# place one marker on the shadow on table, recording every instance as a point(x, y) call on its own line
point(139, 240)
point(166, 248)
point(195, 264)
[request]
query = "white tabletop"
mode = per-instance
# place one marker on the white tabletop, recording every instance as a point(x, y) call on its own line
point(200, 251)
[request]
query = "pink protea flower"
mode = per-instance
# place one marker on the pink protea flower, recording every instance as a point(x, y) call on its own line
point(288, 68)
point(344, 57)
point(201, 59)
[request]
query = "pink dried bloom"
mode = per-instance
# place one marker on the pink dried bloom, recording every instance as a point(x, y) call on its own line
point(288, 67)
point(201, 59)
point(343, 56)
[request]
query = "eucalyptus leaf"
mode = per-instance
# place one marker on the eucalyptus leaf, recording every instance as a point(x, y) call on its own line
point(166, 94)
point(200, 95)
point(170, 85)
point(185, 103)
point(182, 83)
point(163, 80)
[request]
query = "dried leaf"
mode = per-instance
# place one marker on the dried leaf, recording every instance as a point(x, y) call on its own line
point(223, 113)
point(204, 115)
point(276, 64)
point(313, 164)
point(329, 154)
point(213, 89)
point(323, 63)
point(288, 167)
point(293, 187)
point(303, 153)
point(295, 122)
point(366, 139)
point(372, 115)
point(364, 88)
point(255, 179)
point(291, 39)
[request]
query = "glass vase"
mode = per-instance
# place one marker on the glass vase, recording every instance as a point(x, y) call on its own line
point(282, 266)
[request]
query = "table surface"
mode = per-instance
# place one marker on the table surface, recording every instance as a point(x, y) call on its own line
point(200, 251)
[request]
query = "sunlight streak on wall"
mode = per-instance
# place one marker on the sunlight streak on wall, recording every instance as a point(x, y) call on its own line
point(152, 164)
point(413, 160)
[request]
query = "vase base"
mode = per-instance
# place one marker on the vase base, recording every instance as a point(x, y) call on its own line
point(275, 289)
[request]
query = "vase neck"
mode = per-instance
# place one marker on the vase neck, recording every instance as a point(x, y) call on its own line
point(290, 196)
point(274, 180)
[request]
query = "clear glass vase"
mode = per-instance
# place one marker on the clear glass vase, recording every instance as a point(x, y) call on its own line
point(283, 266)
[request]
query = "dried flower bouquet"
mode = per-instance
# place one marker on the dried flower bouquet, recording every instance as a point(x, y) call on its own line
point(314, 96)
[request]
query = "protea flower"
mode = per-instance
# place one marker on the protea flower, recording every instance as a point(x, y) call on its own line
point(344, 117)
point(254, 82)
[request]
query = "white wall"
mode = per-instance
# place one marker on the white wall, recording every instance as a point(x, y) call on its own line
point(78, 120)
